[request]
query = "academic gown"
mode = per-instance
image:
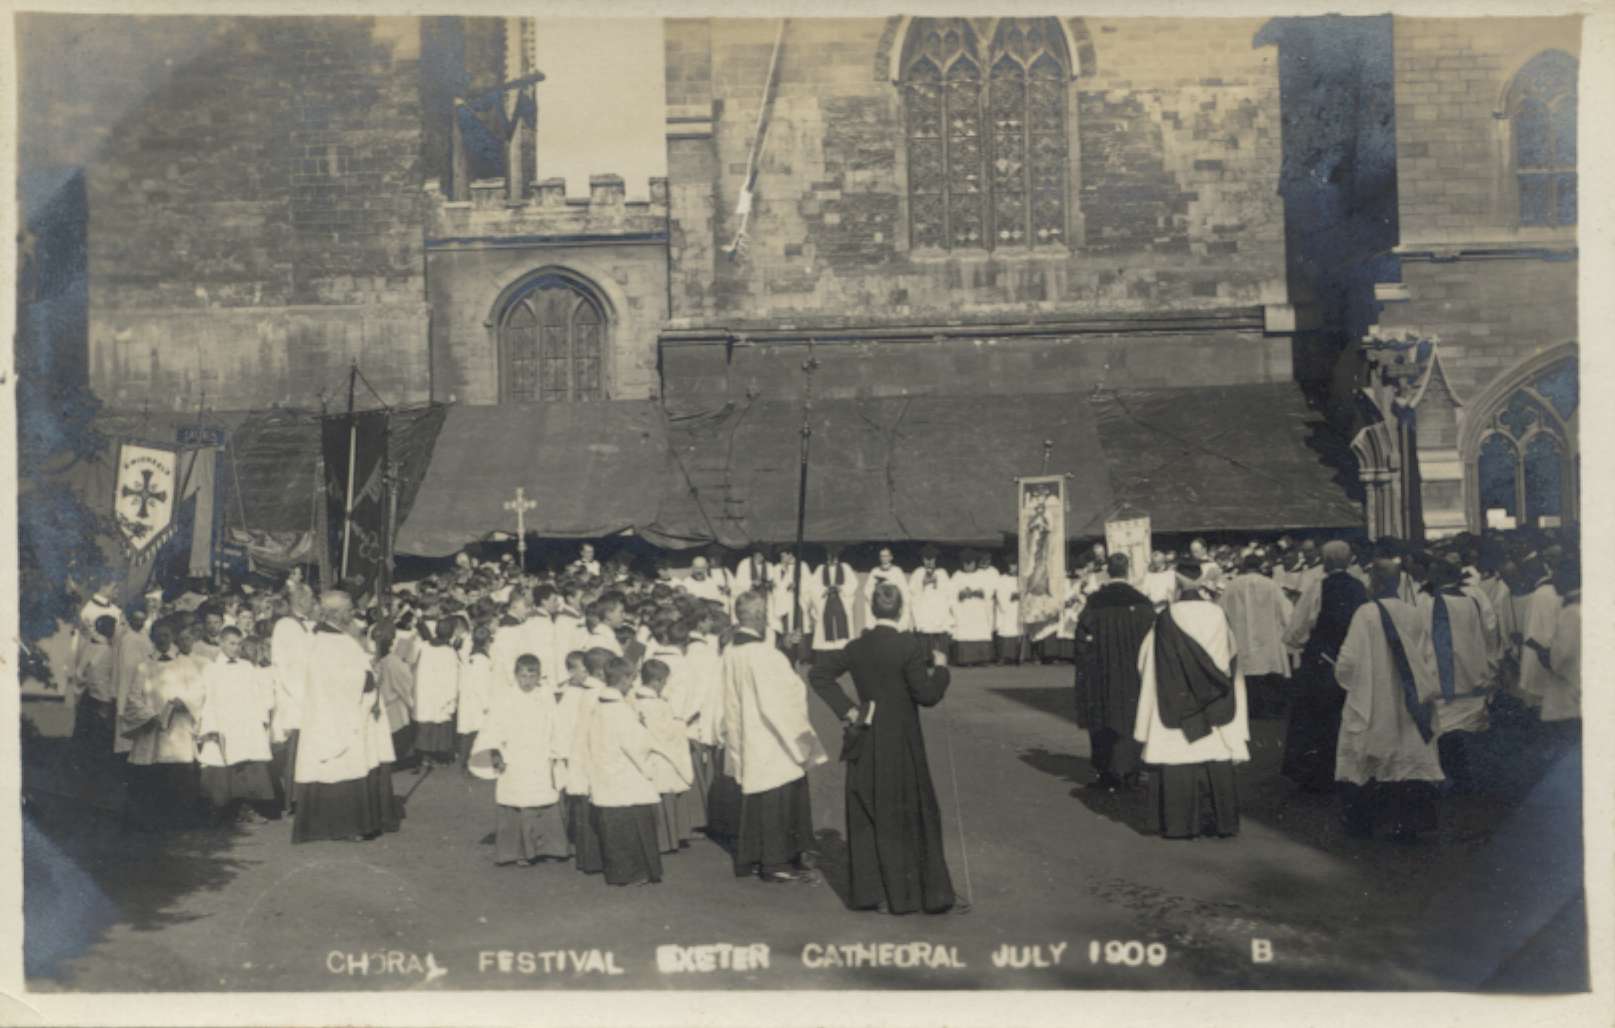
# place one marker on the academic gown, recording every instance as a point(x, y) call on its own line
point(1110, 630)
point(1318, 626)
point(894, 825)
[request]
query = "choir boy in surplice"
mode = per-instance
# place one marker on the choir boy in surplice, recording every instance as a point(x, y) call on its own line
point(581, 696)
point(886, 570)
point(519, 732)
point(670, 765)
point(703, 690)
point(622, 792)
point(931, 594)
point(1009, 634)
point(975, 590)
point(232, 732)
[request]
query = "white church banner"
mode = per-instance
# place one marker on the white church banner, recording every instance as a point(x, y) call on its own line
point(1129, 532)
point(1040, 503)
point(144, 499)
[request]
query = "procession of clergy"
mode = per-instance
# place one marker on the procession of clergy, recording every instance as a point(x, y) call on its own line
point(619, 713)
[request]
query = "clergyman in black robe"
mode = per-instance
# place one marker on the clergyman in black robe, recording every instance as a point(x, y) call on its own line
point(894, 826)
point(1110, 629)
point(1327, 605)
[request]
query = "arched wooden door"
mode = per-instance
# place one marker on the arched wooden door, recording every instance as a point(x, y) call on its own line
point(551, 338)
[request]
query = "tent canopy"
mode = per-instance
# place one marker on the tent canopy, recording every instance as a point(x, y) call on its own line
point(937, 468)
point(593, 469)
point(940, 468)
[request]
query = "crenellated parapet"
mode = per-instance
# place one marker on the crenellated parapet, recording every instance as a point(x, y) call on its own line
point(547, 212)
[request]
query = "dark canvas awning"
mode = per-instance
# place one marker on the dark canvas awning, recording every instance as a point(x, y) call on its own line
point(594, 469)
point(934, 467)
point(1223, 458)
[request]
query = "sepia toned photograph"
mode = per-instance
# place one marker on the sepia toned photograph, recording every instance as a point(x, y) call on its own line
point(762, 501)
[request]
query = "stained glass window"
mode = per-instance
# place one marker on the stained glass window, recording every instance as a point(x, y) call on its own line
point(1525, 465)
point(987, 161)
point(551, 340)
point(1543, 113)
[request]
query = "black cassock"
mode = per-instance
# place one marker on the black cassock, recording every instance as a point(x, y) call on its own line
point(1314, 731)
point(894, 827)
point(1110, 630)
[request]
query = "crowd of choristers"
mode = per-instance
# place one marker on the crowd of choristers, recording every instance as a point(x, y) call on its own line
point(593, 695)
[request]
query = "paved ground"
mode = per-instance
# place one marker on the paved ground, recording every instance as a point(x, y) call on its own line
point(1052, 869)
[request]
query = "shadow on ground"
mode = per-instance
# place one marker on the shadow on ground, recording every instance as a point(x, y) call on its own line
point(86, 870)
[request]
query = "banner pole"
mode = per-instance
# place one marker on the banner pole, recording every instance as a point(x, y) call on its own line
point(809, 366)
point(353, 447)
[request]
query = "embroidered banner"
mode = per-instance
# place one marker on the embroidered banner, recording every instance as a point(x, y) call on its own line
point(1040, 503)
point(358, 539)
point(144, 500)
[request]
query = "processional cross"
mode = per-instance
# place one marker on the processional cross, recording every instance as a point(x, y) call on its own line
point(521, 505)
point(145, 493)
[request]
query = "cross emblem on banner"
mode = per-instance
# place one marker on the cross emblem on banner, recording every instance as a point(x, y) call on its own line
point(147, 495)
point(521, 505)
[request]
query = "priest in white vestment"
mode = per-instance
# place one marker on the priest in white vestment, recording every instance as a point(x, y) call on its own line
point(1387, 761)
point(1192, 714)
point(343, 778)
point(930, 590)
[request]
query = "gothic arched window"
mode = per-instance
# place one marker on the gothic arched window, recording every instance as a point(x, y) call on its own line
point(1542, 114)
point(987, 160)
point(1526, 464)
point(551, 338)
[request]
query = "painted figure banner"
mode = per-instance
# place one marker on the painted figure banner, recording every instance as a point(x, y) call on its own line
point(145, 498)
point(1040, 503)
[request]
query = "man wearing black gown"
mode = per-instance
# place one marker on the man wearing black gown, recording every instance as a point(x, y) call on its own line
point(894, 827)
point(1322, 616)
point(1110, 629)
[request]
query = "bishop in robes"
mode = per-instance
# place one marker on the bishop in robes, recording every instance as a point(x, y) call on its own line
point(894, 827)
point(769, 744)
point(1192, 715)
point(1110, 630)
point(1387, 760)
point(1318, 627)
point(343, 778)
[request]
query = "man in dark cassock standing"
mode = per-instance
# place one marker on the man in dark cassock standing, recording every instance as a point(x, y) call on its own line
point(1110, 629)
point(894, 826)
point(1318, 626)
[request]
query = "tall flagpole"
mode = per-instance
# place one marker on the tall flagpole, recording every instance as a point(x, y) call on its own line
point(353, 447)
point(808, 367)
